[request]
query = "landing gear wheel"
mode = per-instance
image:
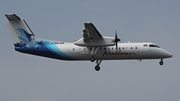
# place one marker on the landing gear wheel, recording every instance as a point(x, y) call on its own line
point(92, 59)
point(161, 62)
point(97, 68)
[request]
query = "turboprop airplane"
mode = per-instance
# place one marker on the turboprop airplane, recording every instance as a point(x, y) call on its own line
point(93, 46)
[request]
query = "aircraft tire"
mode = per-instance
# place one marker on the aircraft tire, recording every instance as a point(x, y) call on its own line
point(97, 68)
point(161, 62)
point(92, 59)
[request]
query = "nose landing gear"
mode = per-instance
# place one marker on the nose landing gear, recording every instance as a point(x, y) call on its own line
point(161, 62)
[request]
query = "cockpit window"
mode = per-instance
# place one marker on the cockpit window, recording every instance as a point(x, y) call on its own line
point(151, 45)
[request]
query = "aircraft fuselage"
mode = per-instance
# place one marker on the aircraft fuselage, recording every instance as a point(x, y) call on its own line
point(69, 51)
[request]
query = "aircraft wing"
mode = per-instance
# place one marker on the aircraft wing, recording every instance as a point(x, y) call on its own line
point(90, 32)
point(92, 37)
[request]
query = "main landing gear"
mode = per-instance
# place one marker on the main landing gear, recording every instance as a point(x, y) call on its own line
point(92, 59)
point(97, 67)
point(161, 62)
point(98, 62)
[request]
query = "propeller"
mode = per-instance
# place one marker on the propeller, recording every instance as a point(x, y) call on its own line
point(116, 40)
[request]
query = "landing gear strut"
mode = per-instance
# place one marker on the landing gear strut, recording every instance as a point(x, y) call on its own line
point(93, 53)
point(97, 67)
point(161, 62)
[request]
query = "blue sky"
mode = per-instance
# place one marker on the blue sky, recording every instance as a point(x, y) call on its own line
point(25, 77)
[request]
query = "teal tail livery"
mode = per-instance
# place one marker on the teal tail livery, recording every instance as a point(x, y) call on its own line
point(26, 42)
point(20, 31)
point(92, 46)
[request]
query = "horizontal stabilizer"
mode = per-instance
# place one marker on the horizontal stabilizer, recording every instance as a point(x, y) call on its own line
point(12, 17)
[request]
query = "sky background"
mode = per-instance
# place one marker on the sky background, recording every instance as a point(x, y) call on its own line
point(31, 78)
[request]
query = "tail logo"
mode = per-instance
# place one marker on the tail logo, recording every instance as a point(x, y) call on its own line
point(24, 37)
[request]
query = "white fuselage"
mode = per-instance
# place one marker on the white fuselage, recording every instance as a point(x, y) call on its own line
point(124, 51)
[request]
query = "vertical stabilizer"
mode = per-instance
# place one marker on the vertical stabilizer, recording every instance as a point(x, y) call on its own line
point(19, 30)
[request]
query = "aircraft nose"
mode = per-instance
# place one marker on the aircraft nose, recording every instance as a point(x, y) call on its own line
point(166, 54)
point(169, 55)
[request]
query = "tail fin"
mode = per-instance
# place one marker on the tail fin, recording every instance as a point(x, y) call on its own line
point(19, 30)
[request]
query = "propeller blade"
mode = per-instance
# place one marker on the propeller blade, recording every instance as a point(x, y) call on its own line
point(116, 37)
point(116, 45)
point(116, 40)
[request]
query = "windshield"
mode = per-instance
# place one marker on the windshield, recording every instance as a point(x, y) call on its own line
point(151, 45)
